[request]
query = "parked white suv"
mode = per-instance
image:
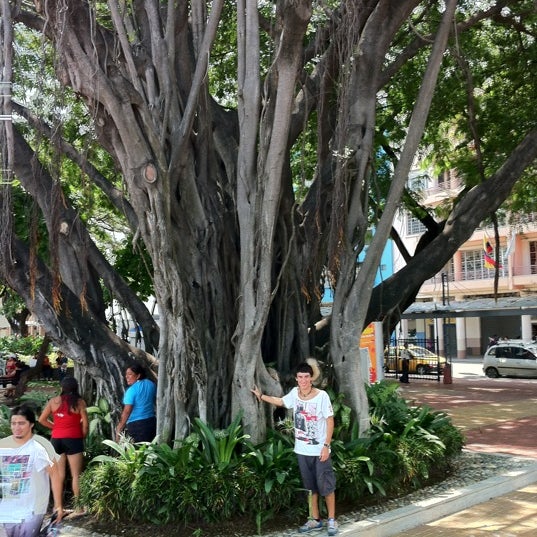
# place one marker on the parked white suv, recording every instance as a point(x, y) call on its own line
point(511, 359)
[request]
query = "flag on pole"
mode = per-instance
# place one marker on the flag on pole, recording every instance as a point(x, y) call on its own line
point(510, 245)
point(488, 254)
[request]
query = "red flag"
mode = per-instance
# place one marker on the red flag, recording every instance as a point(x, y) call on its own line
point(488, 255)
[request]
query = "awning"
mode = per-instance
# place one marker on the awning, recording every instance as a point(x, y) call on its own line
point(480, 307)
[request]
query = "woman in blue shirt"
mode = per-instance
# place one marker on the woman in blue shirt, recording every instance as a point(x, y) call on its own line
point(138, 417)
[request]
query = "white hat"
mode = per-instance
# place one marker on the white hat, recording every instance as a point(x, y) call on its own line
point(314, 364)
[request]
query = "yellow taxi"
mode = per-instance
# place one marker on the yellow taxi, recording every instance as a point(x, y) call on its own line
point(422, 361)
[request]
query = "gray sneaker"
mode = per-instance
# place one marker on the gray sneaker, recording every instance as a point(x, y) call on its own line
point(311, 525)
point(332, 527)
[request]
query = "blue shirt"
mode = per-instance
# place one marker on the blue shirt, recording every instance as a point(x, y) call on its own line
point(141, 395)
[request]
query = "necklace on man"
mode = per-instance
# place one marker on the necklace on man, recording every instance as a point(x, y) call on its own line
point(305, 395)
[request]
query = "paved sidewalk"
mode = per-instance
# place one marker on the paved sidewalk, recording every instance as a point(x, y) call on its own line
point(513, 514)
point(497, 416)
point(487, 509)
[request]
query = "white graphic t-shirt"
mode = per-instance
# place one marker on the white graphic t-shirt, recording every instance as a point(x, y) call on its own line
point(309, 420)
point(24, 481)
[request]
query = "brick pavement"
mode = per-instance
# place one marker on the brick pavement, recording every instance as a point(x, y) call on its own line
point(496, 415)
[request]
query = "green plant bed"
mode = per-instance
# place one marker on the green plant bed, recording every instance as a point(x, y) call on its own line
point(214, 476)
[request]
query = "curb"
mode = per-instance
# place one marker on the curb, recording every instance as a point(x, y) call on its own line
point(425, 511)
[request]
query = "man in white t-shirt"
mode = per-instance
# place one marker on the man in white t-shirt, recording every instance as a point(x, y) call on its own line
point(28, 465)
point(314, 426)
point(405, 364)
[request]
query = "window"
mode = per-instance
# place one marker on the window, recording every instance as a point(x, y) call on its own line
point(419, 182)
point(533, 257)
point(473, 265)
point(503, 352)
point(414, 226)
point(450, 270)
point(524, 354)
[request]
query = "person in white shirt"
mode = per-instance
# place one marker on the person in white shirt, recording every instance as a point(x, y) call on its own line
point(28, 465)
point(405, 364)
point(314, 426)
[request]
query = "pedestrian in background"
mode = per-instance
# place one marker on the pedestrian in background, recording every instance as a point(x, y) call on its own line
point(11, 371)
point(405, 364)
point(61, 364)
point(28, 465)
point(66, 416)
point(46, 369)
point(11, 365)
point(138, 418)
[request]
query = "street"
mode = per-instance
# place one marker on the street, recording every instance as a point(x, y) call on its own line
point(467, 368)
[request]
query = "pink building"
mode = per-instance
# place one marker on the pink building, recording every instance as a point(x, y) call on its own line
point(458, 307)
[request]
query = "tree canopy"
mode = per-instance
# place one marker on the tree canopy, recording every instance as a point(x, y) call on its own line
point(237, 153)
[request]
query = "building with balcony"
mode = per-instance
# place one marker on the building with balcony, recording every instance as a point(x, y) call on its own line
point(458, 307)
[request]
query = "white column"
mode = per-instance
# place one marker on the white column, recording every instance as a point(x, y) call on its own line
point(460, 327)
point(439, 331)
point(404, 328)
point(525, 323)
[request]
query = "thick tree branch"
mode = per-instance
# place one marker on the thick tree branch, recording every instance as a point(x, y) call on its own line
point(115, 195)
point(396, 293)
point(424, 41)
point(74, 235)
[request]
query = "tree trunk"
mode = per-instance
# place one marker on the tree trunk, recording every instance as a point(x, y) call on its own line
point(259, 191)
point(106, 361)
point(239, 237)
point(35, 371)
point(18, 323)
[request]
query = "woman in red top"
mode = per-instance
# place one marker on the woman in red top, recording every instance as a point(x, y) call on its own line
point(69, 428)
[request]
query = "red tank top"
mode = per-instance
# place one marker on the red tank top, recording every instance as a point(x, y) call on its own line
point(67, 423)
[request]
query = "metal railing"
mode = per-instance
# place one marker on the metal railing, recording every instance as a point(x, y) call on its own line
point(425, 361)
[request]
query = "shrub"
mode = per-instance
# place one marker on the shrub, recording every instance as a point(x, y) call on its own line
point(5, 421)
point(214, 474)
point(106, 488)
point(408, 441)
point(100, 428)
point(209, 476)
point(27, 346)
point(36, 398)
point(277, 478)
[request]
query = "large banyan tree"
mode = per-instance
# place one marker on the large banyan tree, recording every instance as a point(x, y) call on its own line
point(245, 148)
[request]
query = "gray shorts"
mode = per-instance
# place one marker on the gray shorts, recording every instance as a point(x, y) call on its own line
point(317, 476)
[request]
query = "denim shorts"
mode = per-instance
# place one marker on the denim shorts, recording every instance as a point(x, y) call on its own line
point(317, 476)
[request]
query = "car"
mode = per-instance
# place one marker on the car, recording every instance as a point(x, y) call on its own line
point(422, 361)
point(511, 359)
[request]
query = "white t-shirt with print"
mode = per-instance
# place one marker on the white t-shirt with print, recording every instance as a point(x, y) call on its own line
point(309, 418)
point(24, 478)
